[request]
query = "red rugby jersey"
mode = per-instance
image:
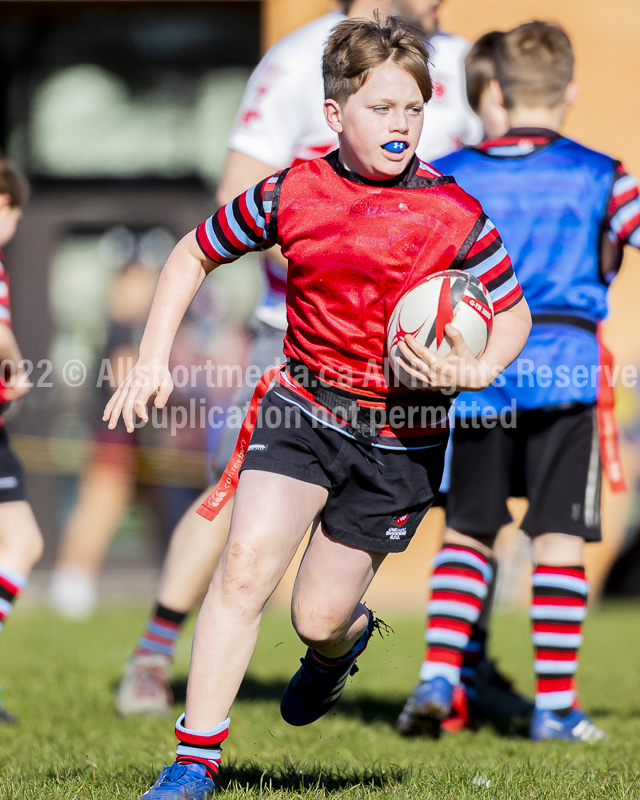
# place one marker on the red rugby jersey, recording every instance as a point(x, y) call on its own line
point(354, 246)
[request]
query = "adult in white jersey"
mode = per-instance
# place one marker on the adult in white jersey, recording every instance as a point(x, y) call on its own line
point(280, 122)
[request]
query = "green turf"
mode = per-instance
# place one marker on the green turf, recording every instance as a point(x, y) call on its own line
point(59, 676)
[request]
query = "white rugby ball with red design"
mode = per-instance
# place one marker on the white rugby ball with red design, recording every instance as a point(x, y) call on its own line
point(424, 311)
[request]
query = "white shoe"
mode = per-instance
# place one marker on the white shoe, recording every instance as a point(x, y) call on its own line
point(73, 592)
point(145, 687)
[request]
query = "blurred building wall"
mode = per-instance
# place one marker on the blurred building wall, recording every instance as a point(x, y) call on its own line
point(280, 17)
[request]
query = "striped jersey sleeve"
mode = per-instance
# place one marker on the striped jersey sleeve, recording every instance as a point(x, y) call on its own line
point(5, 311)
point(489, 262)
point(623, 215)
point(241, 226)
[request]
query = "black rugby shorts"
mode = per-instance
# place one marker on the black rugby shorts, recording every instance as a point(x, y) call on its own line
point(551, 457)
point(377, 497)
point(11, 473)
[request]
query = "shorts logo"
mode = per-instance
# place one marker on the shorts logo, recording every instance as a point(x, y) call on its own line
point(258, 448)
point(8, 483)
point(397, 532)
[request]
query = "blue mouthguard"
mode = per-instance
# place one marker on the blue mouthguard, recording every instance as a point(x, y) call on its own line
point(395, 147)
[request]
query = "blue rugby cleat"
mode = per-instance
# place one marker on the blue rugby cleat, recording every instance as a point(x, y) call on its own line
point(314, 689)
point(430, 702)
point(395, 147)
point(181, 782)
point(576, 727)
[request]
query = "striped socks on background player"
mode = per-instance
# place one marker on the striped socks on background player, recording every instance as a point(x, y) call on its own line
point(472, 654)
point(198, 747)
point(161, 633)
point(459, 586)
point(558, 609)
point(11, 586)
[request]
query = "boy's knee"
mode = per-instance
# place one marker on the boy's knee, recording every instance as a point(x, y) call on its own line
point(35, 546)
point(240, 573)
point(318, 633)
point(557, 549)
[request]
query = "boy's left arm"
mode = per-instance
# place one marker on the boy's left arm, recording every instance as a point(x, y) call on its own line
point(488, 261)
point(621, 223)
point(14, 376)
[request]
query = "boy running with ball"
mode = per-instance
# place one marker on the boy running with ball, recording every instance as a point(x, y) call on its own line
point(359, 228)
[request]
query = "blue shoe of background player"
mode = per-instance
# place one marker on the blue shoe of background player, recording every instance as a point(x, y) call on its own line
point(432, 698)
point(181, 782)
point(576, 727)
point(314, 689)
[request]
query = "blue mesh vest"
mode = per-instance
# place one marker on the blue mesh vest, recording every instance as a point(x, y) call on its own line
point(549, 206)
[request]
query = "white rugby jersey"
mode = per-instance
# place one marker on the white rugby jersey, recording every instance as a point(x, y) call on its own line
point(281, 118)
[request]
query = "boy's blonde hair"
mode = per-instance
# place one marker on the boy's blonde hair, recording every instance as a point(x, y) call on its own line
point(13, 183)
point(534, 64)
point(356, 46)
point(479, 68)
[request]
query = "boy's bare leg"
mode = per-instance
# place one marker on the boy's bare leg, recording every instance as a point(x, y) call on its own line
point(193, 553)
point(20, 547)
point(271, 516)
point(20, 538)
point(558, 550)
point(194, 550)
point(326, 609)
point(106, 491)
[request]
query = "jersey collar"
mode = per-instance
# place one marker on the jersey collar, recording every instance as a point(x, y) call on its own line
point(407, 179)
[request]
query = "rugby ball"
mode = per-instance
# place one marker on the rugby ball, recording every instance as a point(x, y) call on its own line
point(424, 311)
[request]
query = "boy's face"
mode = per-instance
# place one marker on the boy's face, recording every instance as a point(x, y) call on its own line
point(388, 108)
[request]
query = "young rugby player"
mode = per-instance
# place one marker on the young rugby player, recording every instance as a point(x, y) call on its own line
point(325, 453)
point(20, 538)
point(280, 123)
point(565, 212)
point(483, 690)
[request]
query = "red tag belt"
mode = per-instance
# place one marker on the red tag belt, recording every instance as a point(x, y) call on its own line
point(607, 427)
point(228, 483)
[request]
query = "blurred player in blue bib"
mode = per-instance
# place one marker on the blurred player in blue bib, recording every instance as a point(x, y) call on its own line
point(565, 213)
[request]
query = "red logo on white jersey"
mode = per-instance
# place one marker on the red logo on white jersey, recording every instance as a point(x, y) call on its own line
point(438, 89)
point(401, 519)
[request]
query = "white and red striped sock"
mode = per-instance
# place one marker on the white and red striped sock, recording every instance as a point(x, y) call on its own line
point(201, 747)
point(558, 609)
point(458, 589)
point(11, 586)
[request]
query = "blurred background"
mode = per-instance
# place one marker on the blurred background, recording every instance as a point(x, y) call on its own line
point(118, 112)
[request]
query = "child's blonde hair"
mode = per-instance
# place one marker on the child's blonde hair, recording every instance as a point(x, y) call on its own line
point(534, 64)
point(356, 46)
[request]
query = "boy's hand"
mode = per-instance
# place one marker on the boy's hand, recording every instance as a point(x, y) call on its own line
point(18, 386)
point(145, 379)
point(456, 371)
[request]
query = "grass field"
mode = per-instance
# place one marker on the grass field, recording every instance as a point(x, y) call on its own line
point(59, 677)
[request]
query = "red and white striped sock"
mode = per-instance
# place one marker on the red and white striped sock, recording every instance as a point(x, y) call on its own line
point(201, 747)
point(458, 589)
point(11, 586)
point(558, 609)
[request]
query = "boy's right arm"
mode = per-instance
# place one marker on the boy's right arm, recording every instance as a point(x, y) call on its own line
point(182, 276)
point(235, 229)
